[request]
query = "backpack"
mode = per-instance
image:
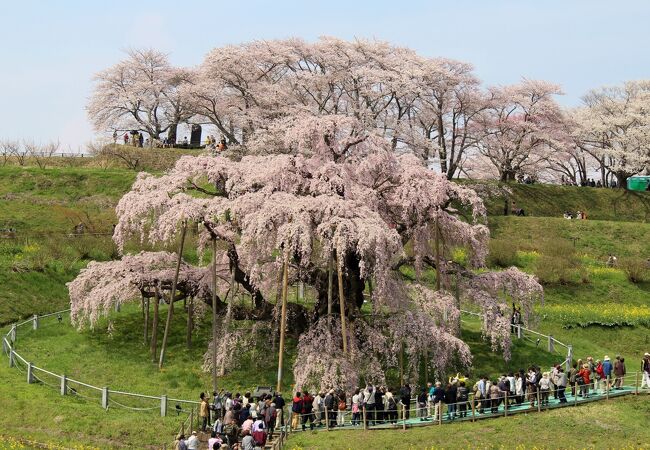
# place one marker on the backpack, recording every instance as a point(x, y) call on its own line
point(391, 403)
point(342, 406)
point(259, 437)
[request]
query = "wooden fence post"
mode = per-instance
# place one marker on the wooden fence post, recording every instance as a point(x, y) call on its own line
point(518, 331)
point(163, 406)
point(64, 385)
point(505, 405)
point(327, 420)
point(30, 373)
point(539, 406)
point(575, 398)
point(636, 383)
point(13, 333)
point(35, 322)
point(607, 387)
point(12, 362)
point(404, 417)
point(473, 409)
point(105, 397)
point(440, 413)
point(365, 425)
point(551, 344)
point(191, 420)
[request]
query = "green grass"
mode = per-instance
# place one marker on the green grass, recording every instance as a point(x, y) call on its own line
point(619, 423)
point(596, 309)
point(540, 200)
point(122, 362)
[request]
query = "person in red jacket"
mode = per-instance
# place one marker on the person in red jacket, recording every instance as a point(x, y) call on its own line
point(307, 406)
point(584, 374)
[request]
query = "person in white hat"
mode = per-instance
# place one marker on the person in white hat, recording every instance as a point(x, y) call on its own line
point(193, 442)
point(645, 367)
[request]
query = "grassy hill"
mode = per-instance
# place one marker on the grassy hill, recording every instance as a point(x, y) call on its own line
point(543, 200)
point(597, 309)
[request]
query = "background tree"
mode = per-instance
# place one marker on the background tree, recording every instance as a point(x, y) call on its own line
point(613, 127)
point(142, 92)
point(518, 126)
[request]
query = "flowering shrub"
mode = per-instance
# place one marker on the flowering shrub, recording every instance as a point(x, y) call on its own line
point(607, 314)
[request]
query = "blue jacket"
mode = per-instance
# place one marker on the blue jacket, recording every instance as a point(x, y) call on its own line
point(607, 368)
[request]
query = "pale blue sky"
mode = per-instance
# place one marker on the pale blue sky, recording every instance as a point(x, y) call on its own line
point(51, 49)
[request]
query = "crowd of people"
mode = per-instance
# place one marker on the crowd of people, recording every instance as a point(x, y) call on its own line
point(137, 139)
point(246, 423)
point(589, 182)
point(579, 215)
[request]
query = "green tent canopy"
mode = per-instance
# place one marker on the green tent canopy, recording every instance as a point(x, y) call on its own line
point(638, 183)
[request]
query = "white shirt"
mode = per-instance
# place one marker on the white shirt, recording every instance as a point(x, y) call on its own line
point(193, 443)
point(519, 386)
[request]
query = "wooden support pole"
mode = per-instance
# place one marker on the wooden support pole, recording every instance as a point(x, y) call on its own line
point(230, 296)
point(170, 311)
point(440, 413)
point(426, 366)
point(283, 323)
point(190, 322)
point(404, 417)
point(64, 385)
point(551, 344)
point(214, 315)
point(505, 405)
point(342, 307)
point(401, 363)
point(636, 383)
point(539, 406)
point(437, 255)
point(163, 406)
point(154, 327)
point(607, 387)
point(365, 424)
point(575, 398)
point(330, 282)
point(145, 306)
point(327, 419)
point(30, 373)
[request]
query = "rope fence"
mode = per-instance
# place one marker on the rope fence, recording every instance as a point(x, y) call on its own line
point(400, 416)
